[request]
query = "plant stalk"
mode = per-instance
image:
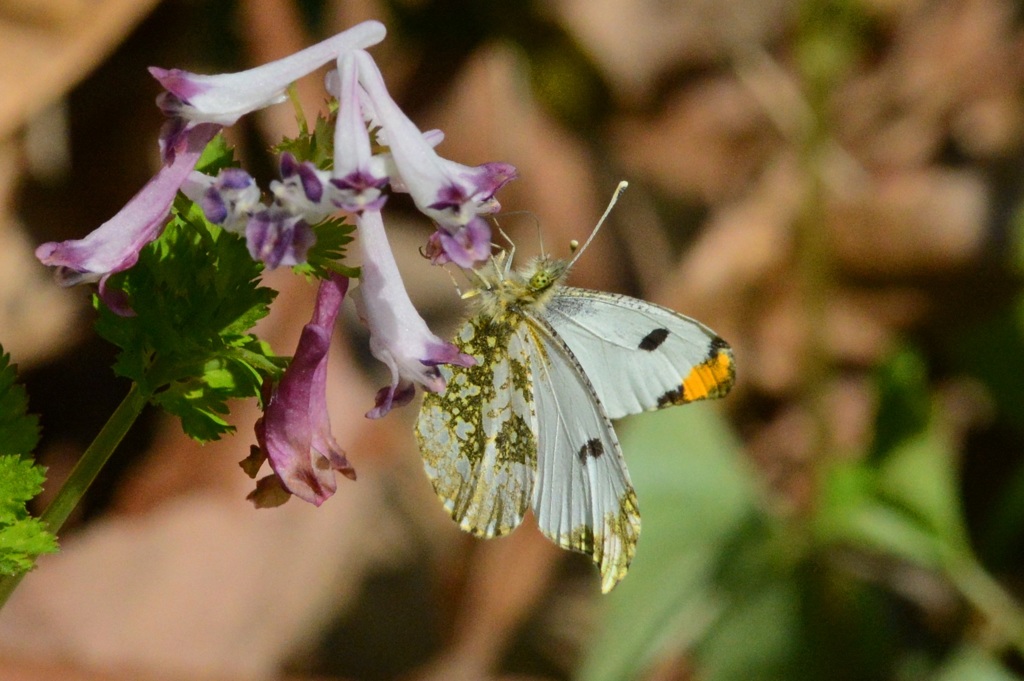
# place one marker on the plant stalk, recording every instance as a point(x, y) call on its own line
point(85, 472)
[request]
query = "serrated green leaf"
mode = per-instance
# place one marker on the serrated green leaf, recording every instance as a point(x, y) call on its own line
point(317, 146)
point(216, 156)
point(19, 430)
point(325, 256)
point(196, 295)
point(22, 538)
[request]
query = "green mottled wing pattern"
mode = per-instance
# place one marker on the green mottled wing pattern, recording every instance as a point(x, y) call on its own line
point(478, 437)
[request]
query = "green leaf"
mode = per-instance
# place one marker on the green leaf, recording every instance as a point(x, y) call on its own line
point(970, 662)
point(19, 430)
point(920, 477)
point(758, 638)
point(904, 401)
point(196, 295)
point(22, 538)
point(903, 500)
point(317, 146)
point(216, 156)
point(325, 256)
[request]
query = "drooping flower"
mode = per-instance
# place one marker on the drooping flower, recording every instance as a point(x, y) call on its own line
point(398, 335)
point(114, 246)
point(358, 180)
point(294, 433)
point(451, 194)
point(224, 98)
point(199, 106)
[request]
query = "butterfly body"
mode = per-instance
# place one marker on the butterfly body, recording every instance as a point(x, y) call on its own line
point(529, 426)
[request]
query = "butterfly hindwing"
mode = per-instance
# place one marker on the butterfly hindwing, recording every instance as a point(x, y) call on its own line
point(582, 498)
point(640, 356)
point(478, 437)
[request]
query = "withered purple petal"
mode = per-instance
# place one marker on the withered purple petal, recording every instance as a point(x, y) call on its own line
point(295, 430)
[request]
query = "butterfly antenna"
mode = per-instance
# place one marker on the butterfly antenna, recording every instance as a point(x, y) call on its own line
point(509, 254)
point(611, 204)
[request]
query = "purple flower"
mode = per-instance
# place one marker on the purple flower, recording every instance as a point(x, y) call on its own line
point(226, 200)
point(302, 189)
point(452, 194)
point(465, 248)
point(276, 236)
point(398, 335)
point(114, 246)
point(294, 433)
point(224, 98)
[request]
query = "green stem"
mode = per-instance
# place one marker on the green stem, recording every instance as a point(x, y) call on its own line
point(300, 116)
point(1001, 611)
point(85, 472)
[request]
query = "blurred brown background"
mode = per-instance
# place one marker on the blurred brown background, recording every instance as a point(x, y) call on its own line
point(823, 183)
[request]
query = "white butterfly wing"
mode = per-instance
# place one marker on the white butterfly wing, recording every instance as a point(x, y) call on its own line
point(478, 437)
point(582, 498)
point(638, 355)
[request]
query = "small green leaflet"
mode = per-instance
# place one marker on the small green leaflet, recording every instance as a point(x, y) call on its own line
point(316, 146)
point(196, 294)
point(22, 538)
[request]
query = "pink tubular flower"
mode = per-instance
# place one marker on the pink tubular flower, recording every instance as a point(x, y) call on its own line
point(452, 194)
point(295, 430)
point(357, 181)
point(225, 98)
point(398, 335)
point(114, 246)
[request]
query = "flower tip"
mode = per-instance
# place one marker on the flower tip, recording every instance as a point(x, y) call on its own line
point(500, 173)
point(374, 31)
point(391, 396)
point(181, 84)
point(44, 253)
point(467, 247)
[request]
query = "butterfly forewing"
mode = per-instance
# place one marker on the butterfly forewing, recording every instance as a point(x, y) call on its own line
point(638, 355)
point(582, 496)
point(478, 437)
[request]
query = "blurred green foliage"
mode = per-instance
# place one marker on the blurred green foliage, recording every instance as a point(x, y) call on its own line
point(743, 591)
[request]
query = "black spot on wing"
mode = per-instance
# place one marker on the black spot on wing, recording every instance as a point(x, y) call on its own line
point(592, 449)
point(717, 345)
point(675, 396)
point(653, 340)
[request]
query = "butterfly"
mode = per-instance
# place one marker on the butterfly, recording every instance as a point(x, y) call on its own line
point(530, 424)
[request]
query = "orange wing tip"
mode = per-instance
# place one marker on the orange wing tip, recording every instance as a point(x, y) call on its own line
point(712, 378)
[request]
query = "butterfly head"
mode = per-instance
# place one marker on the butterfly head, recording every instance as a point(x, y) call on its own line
point(542, 274)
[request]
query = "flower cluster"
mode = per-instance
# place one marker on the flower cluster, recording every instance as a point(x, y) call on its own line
point(279, 228)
